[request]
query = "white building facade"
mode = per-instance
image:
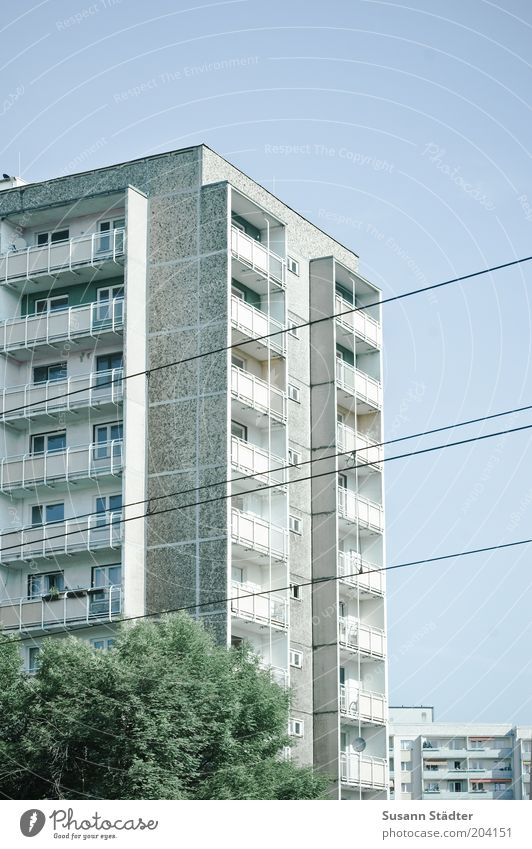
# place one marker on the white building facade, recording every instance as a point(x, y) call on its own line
point(456, 761)
point(128, 487)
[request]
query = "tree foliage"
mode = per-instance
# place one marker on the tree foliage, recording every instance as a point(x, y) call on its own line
point(166, 714)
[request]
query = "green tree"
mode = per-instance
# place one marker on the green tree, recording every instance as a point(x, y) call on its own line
point(166, 714)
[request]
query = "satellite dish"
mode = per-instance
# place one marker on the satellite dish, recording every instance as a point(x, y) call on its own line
point(359, 744)
point(20, 244)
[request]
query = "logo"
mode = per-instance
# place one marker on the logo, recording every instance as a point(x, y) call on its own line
point(32, 822)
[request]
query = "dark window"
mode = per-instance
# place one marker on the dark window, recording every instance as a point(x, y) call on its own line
point(54, 371)
point(43, 442)
point(42, 514)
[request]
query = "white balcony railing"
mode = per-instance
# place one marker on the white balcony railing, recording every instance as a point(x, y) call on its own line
point(362, 704)
point(254, 323)
point(268, 609)
point(255, 534)
point(356, 508)
point(257, 256)
point(359, 322)
point(249, 459)
point(49, 328)
point(258, 394)
point(360, 637)
point(49, 468)
point(75, 605)
point(358, 383)
point(352, 569)
point(367, 450)
point(56, 257)
point(362, 770)
point(97, 531)
point(55, 396)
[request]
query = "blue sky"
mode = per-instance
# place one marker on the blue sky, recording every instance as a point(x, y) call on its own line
point(404, 130)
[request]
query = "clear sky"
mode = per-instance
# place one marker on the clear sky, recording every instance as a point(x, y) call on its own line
point(404, 130)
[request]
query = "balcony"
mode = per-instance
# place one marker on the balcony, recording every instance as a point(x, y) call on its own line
point(362, 704)
point(249, 459)
point(355, 384)
point(97, 251)
point(356, 572)
point(367, 450)
point(53, 468)
point(479, 795)
point(267, 609)
point(279, 675)
point(365, 639)
point(253, 255)
point(256, 535)
point(55, 397)
point(78, 605)
point(355, 508)
point(251, 323)
point(362, 771)
point(92, 533)
point(258, 394)
point(58, 326)
point(360, 323)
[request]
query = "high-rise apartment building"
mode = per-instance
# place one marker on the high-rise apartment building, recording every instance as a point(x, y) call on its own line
point(125, 483)
point(456, 761)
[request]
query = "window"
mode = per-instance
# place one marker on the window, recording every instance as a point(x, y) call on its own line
point(295, 591)
point(107, 440)
point(238, 292)
point(33, 659)
point(294, 524)
point(43, 514)
point(47, 442)
point(294, 393)
point(51, 372)
point(296, 727)
point(477, 787)
point(51, 237)
point(239, 430)
point(292, 265)
point(237, 503)
point(498, 785)
point(103, 644)
point(406, 766)
point(296, 658)
point(431, 767)
point(237, 642)
point(107, 581)
point(53, 304)
point(108, 508)
point(107, 363)
point(238, 362)
point(345, 293)
point(342, 675)
point(456, 786)
point(50, 582)
point(108, 306)
point(106, 242)
point(293, 328)
point(406, 787)
point(423, 716)
point(237, 574)
point(343, 741)
point(432, 787)
point(294, 457)
point(407, 745)
point(245, 226)
point(342, 481)
point(342, 609)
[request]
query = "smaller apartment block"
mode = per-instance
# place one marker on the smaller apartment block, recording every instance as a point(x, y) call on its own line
point(456, 761)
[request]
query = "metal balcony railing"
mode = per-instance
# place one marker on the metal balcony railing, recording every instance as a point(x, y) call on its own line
point(360, 323)
point(51, 467)
point(358, 383)
point(349, 566)
point(49, 328)
point(268, 609)
point(56, 257)
point(249, 459)
point(83, 604)
point(55, 396)
point(360, 637)
point(255, 534)
point(362, 770)
point(255, 323)
point(362, 704)
point(356, 508)
point(258, 394)
point(257, 256)
point(97, 531)
point(367, 450)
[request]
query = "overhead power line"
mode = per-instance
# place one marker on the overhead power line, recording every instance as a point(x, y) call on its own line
point(265, 337)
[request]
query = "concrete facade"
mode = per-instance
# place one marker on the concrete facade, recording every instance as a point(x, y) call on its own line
point(117, 272)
